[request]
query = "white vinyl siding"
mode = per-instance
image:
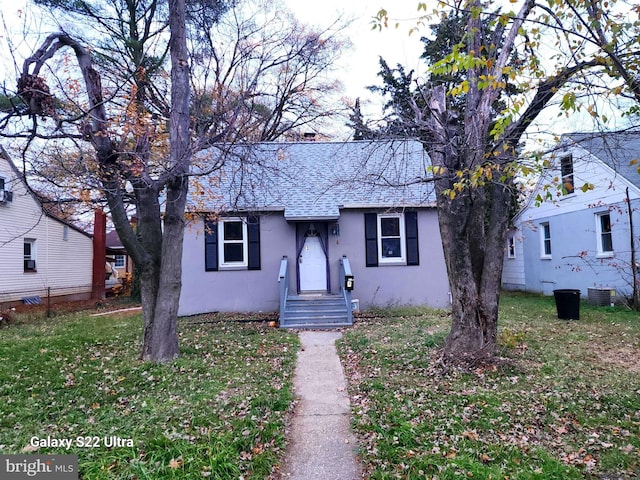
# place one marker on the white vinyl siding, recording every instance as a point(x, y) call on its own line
point(63, 266)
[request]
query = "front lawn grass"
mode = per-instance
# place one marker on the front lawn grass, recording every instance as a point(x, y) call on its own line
point(216, 412)
point(563, 403)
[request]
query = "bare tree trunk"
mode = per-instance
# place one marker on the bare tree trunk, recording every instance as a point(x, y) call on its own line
point(156, 251)
point(473, 223)
point(471, 249)
point(162, 343)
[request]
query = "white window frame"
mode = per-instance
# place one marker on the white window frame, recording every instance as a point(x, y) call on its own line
point(3, 186)
point(511, 246)
point(402, 259)
point(223, 263)
point(33, 255)
point(545, 238)
point(599, 234)
point(119, 261)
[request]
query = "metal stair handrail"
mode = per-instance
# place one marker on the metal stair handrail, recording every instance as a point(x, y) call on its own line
point(283, 280)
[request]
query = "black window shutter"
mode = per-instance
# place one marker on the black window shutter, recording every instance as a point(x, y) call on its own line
point(411, 235)
point(210, 246)
point(371, 238)
point(253, 234)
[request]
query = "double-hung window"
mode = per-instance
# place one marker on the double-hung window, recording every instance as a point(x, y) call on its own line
point(566, 171)
point(232, 243)
point(511, 247)
point(545, 240)
point(391, 238)
point(29, 255)
point(604, 236)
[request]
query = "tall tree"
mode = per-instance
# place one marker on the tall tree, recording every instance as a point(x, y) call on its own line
point(474, 145)
point(287, 66)
point(121, 129)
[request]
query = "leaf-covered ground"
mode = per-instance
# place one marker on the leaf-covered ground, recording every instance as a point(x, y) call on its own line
point(564, 403)
point(217, 412)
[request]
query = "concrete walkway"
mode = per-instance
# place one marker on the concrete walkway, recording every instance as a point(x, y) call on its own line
point(321, 444)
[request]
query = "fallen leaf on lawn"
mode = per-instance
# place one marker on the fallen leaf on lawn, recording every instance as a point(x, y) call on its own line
point(470, 434)
point(29, 448)
point(627, 449)
point(175, 463)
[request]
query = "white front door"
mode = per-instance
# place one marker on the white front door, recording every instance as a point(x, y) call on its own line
point(313, 266)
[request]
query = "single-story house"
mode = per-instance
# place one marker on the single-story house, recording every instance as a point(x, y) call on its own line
point(580, 225)
point(290, 217)
point(40, 254)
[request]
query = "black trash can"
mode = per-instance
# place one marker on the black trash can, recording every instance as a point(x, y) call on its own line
point(567, 304)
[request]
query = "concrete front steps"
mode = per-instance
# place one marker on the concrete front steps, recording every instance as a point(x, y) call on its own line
point(315, 311)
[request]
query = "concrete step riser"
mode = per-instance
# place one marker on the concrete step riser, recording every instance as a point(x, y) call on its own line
point(303, 319)
point(315, 305)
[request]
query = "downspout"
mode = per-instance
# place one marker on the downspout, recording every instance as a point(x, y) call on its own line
point(46, 266)
point(99, 255)
point(634, 268)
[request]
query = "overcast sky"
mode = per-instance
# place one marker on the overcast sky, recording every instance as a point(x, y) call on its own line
point(359, 66)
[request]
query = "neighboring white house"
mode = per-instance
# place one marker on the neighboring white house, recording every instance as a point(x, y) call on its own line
point(580, 235)
point(39, 253)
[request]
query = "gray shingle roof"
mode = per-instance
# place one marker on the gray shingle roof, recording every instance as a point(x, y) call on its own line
point(314, 180)
point(618, 150)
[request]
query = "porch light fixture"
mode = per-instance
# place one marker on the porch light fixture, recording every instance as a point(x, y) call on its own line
point(335, 229)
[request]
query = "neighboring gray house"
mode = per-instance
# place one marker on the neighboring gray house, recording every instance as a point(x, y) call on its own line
point(580, 238)
point(291, 217)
